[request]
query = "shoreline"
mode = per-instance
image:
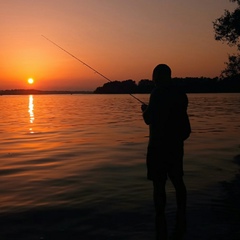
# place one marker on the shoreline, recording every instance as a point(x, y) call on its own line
point(39, 92)
point(63, 92)
point(218, 219)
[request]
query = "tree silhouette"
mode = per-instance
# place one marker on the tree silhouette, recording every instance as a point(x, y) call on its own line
point(145, 86)
point(227, 29)
point(188, 84)
point(127, 86)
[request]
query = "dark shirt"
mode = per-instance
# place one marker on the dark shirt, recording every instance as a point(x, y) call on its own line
point(167, 116)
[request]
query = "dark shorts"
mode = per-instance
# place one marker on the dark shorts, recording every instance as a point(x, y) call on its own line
point(165, 160)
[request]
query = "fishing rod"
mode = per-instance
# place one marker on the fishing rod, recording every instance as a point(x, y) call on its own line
point(97, 72)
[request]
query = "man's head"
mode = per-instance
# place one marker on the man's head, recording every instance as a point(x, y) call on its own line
point(161, 74)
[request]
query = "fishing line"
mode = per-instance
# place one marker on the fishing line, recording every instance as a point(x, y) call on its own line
point(97, 72)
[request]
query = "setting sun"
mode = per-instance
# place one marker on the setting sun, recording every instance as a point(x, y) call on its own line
point(30, 81)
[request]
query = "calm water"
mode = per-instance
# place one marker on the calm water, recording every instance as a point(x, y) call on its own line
point(83, 156)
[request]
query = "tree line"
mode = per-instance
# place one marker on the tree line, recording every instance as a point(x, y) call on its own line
point(188, 84)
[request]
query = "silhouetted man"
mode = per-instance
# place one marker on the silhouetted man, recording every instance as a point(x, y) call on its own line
point(166, 115)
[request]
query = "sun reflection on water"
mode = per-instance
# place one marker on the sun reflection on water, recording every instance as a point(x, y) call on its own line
point(31, 112)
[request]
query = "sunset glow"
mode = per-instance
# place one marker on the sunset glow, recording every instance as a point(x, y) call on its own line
point(122, 44)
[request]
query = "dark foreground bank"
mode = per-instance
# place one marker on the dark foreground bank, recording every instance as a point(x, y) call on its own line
point(218, 219)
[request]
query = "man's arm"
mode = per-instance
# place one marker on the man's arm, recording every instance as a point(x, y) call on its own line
point(146, 114)
point(147, 110)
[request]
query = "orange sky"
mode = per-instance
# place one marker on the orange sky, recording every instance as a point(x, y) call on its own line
point(121, 39)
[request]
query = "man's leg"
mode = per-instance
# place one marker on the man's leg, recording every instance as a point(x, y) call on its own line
point(159, 197)
point(181, 198)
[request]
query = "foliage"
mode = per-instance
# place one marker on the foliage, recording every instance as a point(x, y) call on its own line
point(127, 86)
point(189, 85)
point(233, 67)
point(227, 29)
point(145, 86)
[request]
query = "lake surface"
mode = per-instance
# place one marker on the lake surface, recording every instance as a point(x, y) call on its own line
point(73, 167)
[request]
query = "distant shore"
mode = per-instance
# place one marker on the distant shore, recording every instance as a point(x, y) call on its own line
point(39, 92)
point(188, 85)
